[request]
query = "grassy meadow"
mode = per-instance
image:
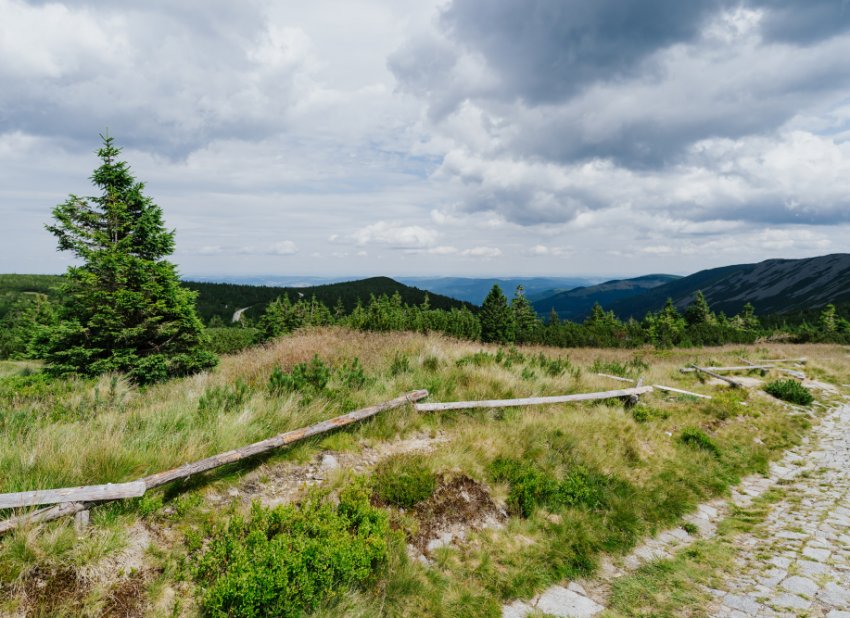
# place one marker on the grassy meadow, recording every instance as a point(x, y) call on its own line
point(558, 485)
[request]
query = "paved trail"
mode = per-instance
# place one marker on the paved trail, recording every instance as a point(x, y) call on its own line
point(807, 536)
point(796, 564)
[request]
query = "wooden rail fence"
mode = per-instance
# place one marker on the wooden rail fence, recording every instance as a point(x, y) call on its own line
point(71, 500)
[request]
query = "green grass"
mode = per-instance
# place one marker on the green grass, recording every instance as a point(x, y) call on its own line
point(677, 586)
point(591, 479)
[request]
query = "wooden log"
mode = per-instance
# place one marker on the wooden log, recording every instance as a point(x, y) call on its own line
point(738, 368)
point(797, 374)
point(81, 521)
point(189, 469)
point(530, 401)
point(632, 400)
point(161, 478)
point(708, 371)
point(661, 387)
point(605, 375)
point(47, 514)
point(91, 493)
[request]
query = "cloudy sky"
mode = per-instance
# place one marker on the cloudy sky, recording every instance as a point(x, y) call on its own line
point(405, 137)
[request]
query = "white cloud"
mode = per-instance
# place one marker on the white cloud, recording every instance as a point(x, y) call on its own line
point(482, 252)
point(395, 235)
point(285, 247)
point(545, 251)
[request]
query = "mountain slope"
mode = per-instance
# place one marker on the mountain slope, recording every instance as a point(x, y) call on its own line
point(772, 286)
point(576, 304)
point(474, 290)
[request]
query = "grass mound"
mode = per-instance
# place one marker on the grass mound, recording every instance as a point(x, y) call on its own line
point(789, 390)
point(403, 480)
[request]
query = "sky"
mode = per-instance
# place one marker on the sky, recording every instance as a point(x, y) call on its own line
point(459, 138)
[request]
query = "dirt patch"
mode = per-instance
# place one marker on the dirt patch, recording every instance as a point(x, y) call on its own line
point(126, 598)
point(286, 482)
point(458, 504)
point(47, 591)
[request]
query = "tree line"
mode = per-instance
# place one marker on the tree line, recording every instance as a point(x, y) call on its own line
point(122, 307)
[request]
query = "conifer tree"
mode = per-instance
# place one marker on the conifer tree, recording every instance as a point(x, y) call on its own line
point(122, 308)
point(699, 312)
point(497, 323)
point(525, 317)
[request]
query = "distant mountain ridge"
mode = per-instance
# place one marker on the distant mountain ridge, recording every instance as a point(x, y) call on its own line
point(773, 287)
point(576, 304)
point(475, 289)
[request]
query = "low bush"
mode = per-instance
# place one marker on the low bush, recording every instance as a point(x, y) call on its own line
point(288, 560)
point(697, 438)
point(309, 377)
point(225, 340)
point(403, 480)
point(789, 390)
point(351, 374)
point(223, 399)
point(554, 367)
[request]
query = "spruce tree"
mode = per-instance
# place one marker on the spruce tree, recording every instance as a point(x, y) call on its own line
point(699, 312)
point(122, 308)
point(525, 317)
point(497, 323)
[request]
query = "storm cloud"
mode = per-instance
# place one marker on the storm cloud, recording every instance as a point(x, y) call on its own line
point(429, 137)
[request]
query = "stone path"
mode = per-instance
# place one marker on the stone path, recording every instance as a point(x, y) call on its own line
point(808, 537)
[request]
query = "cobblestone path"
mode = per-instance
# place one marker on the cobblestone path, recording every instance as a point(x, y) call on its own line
point(797, 563)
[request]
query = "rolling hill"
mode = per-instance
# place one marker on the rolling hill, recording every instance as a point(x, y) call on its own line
point(222, 299)
point(773, 287)
point(576, 304)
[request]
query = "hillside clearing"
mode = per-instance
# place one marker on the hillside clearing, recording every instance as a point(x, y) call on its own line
point(575, 482)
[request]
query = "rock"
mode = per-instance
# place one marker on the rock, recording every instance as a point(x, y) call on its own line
point(560, 601)
point(329, 462)
point(800, 585)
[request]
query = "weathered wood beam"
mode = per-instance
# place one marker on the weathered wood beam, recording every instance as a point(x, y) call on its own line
point(530, 401)
point(709, 371)
point(606, 375)
point(91, 493)
point(738, 368)
point(661, 387)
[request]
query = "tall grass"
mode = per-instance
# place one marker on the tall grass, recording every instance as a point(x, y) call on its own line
point(614, 477)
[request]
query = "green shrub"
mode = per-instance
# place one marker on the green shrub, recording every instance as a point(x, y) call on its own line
point(403, 480)
point(309, 377)
point(553, 367)
point(477, 359)
point(225, 340)
point(632, 368)
point(352, 375)
point(287, 560)
point(643, 413)
point(697, 438)
point(791, 391)
point(223, 399)
point(640, 414)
